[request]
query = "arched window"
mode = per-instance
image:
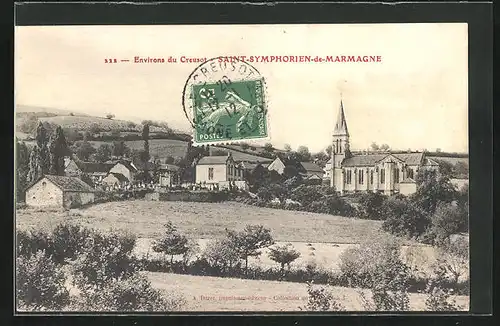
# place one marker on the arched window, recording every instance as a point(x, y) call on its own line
point(371, 176)
point(382, 176)
point(44, 183)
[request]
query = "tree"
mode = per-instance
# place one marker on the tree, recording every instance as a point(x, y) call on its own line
point(169, 160)
point(268, 147)
point(244, 146)
point(220, 253)
point(120, 149)
point(35, 168)
point(146, 155)
point(321, 158)
point(110, 116)
point(41, 141)
point(219, 152)
point(321, 299)
point(29, 124)
point(374, 147)
point(22, 169)
point(83, 150)
point(448, 219)
point(404, 218)
point(58, 150)
point(283, 255)
point(171, 242)
point(250, 240)
point(432, 187)
point(384, 147)
point(287, 147)
point(328, 151)
point(303, 153)
point(103, 153)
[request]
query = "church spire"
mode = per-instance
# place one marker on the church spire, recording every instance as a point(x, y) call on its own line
point(341, 125)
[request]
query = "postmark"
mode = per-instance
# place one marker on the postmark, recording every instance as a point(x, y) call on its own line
point(225, 102)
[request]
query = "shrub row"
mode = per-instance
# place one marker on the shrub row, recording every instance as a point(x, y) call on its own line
point(201, 267)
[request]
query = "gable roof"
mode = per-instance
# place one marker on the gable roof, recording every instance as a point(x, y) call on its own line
point(311, 167)
point(373, 159)
point(94, 167)
point(120, 177)
point(250, 165)
point(213, 160)
point(69, 183)
point(125, 163)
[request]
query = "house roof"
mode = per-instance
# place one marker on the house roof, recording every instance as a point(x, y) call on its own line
point(212, 160)
point(69, 183)
point(373, 159)
point(250, 165)
point(311, 167)
point(169, 167)
point(93, 167)
point(120, 177)
point(125, 163)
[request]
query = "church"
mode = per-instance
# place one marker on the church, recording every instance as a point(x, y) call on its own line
point(384, 172)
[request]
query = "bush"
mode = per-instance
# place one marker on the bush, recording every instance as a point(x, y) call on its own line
point(30, 242)
point(221, 254)
point(371, 206)
point(67, 240)
point(40, 283)
point(105, 257)
point(453, 257)
point(377, 265)
point(439, 298)
point(134, 293)
point(321, 299)
point(404, 218)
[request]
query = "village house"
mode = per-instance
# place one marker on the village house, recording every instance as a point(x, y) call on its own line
point(115, 180)
point(125, 168)
point(95, 170)
point(59, 191)
point(376, 172)
point(311, 172)
point(280, 163)
point(219, 171)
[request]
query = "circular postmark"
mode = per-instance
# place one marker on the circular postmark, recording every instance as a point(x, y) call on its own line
point(223, 99)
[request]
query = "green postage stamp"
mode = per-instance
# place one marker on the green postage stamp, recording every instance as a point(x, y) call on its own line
point(225, 102)
point(229, 111)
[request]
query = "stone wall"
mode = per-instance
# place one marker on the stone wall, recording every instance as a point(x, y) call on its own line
point(192, 196)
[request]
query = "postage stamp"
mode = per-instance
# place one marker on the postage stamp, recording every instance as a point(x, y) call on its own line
point(225, 102)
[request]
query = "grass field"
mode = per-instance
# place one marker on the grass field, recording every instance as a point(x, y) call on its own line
point(227, 294)
point(207, 220)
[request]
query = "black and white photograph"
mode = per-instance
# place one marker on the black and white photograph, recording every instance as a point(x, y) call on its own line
point(242, 168)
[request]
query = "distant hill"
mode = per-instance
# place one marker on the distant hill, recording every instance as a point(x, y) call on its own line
point(20, 108)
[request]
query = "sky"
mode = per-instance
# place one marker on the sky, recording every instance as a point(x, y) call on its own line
point(416, 97)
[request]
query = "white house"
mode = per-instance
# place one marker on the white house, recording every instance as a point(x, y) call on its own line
point(215, 169)
point(59, 191)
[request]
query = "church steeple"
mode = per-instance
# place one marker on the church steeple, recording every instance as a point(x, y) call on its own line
point(341, 125)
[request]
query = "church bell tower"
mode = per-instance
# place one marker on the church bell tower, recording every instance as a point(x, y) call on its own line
point(340, 148)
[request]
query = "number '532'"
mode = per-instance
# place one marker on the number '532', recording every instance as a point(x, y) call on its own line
point(110, 61)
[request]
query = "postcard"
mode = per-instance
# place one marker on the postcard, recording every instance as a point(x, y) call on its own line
point(233, 168)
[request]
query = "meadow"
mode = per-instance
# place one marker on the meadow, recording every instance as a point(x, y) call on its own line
point(206, 220)
point(204, 293)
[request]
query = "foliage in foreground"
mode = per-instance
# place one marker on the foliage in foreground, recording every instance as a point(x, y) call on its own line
point(320, 298)
point(134, 293)
point(40, 283)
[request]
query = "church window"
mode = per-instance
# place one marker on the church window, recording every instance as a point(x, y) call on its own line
point(410, 173)
point(210, 173)
point(361, 176)
point(371, 177)
point(396, 175)
point(348, 176)
point(382, 176)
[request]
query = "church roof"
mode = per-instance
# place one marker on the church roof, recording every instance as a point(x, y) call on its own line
point(311, 167)
point(341, 125)
point(213, 160)
point(373, 159)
